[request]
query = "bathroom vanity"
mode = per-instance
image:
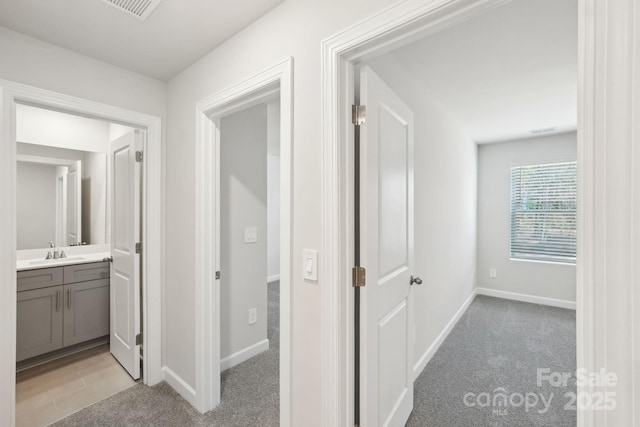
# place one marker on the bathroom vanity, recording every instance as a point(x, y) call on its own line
point(61, 304)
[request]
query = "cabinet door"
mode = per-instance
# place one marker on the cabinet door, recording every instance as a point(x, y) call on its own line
point(39, 322)
point(86, 311)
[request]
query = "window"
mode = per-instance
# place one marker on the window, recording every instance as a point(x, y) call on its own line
point(543, 212)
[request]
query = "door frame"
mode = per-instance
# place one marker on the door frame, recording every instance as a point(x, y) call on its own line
point(207, 357)
point(152, 282)
point(383, 32)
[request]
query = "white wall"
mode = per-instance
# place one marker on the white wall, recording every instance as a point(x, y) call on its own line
point(273, 191)
point(295, 28)
point(116, 131)
point(36, 63)
point(33, 62)
point(550, 280)
point(445, 165)
point(243, 203)
point(47, 127)
point(35, 205)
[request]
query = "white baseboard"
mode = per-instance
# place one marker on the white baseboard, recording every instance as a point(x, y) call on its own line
point(180, 385)
point(243, 355)
point(426, 357)
point(273, 278)
point(571, 305)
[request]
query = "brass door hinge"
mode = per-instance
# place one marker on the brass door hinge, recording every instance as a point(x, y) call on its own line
point(359, 277)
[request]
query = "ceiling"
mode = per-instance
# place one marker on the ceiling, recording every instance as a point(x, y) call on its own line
point(505, 73)
point(175, 35)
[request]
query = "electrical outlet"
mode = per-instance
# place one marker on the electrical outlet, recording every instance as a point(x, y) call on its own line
point(253, 315)
point(493, 273)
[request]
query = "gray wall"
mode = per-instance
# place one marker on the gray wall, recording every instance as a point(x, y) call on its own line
point(531, 278)
point(445, 203)
point(35, 205)
point(243, 203)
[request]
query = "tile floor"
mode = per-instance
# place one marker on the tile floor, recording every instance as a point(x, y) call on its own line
point(47, 393)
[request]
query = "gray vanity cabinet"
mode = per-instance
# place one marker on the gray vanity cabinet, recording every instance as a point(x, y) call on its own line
point(61, 306)
point(86, 312)
point(39, 320)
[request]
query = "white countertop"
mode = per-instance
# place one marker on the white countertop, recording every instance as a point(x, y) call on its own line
point(33, 264)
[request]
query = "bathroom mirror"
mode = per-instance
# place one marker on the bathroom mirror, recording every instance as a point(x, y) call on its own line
point(61, 197)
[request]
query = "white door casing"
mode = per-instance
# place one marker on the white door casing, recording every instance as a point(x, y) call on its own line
point(386, 223)
point(125, 233)
point(152, 279)
point(74, 204)
point(206, 393)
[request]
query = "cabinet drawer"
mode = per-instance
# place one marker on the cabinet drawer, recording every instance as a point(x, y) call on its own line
point(40, 278)
point(83, 272)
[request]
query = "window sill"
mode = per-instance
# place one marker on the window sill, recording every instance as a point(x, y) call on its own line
point(544, 261)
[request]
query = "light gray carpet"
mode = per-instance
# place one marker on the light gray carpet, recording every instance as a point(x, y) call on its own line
point(499, 343)
point(250, 394)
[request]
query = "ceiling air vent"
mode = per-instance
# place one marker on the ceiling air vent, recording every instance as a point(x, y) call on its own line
point(141, 9)
point(542, 130)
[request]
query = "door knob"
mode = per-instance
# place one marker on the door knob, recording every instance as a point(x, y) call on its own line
point(416, 280)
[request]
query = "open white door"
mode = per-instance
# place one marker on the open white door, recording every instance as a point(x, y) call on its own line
point(125, 234)
point(386, 224)
point(74, 204)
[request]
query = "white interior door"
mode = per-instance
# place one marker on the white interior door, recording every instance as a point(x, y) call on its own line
point(386, 224)
point(74, 204)
point(125, 233)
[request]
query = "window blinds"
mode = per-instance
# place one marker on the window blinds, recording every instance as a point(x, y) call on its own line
point(543, 212)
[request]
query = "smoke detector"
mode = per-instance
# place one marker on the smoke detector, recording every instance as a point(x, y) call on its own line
point(141, 9)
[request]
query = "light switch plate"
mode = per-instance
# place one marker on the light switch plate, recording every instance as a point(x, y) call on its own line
point(310, 265)
point(250, 235)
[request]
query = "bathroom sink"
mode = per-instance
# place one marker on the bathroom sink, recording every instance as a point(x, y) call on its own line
point(57, 261)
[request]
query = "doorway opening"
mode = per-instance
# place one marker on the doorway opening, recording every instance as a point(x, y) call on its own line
point(419, 158)
point(249, 266)
point(243, 257)
point(81, 299)
point(78, 188)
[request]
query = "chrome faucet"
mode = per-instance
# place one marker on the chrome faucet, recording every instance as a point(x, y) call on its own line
point(51, 245)
point(57, 252)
